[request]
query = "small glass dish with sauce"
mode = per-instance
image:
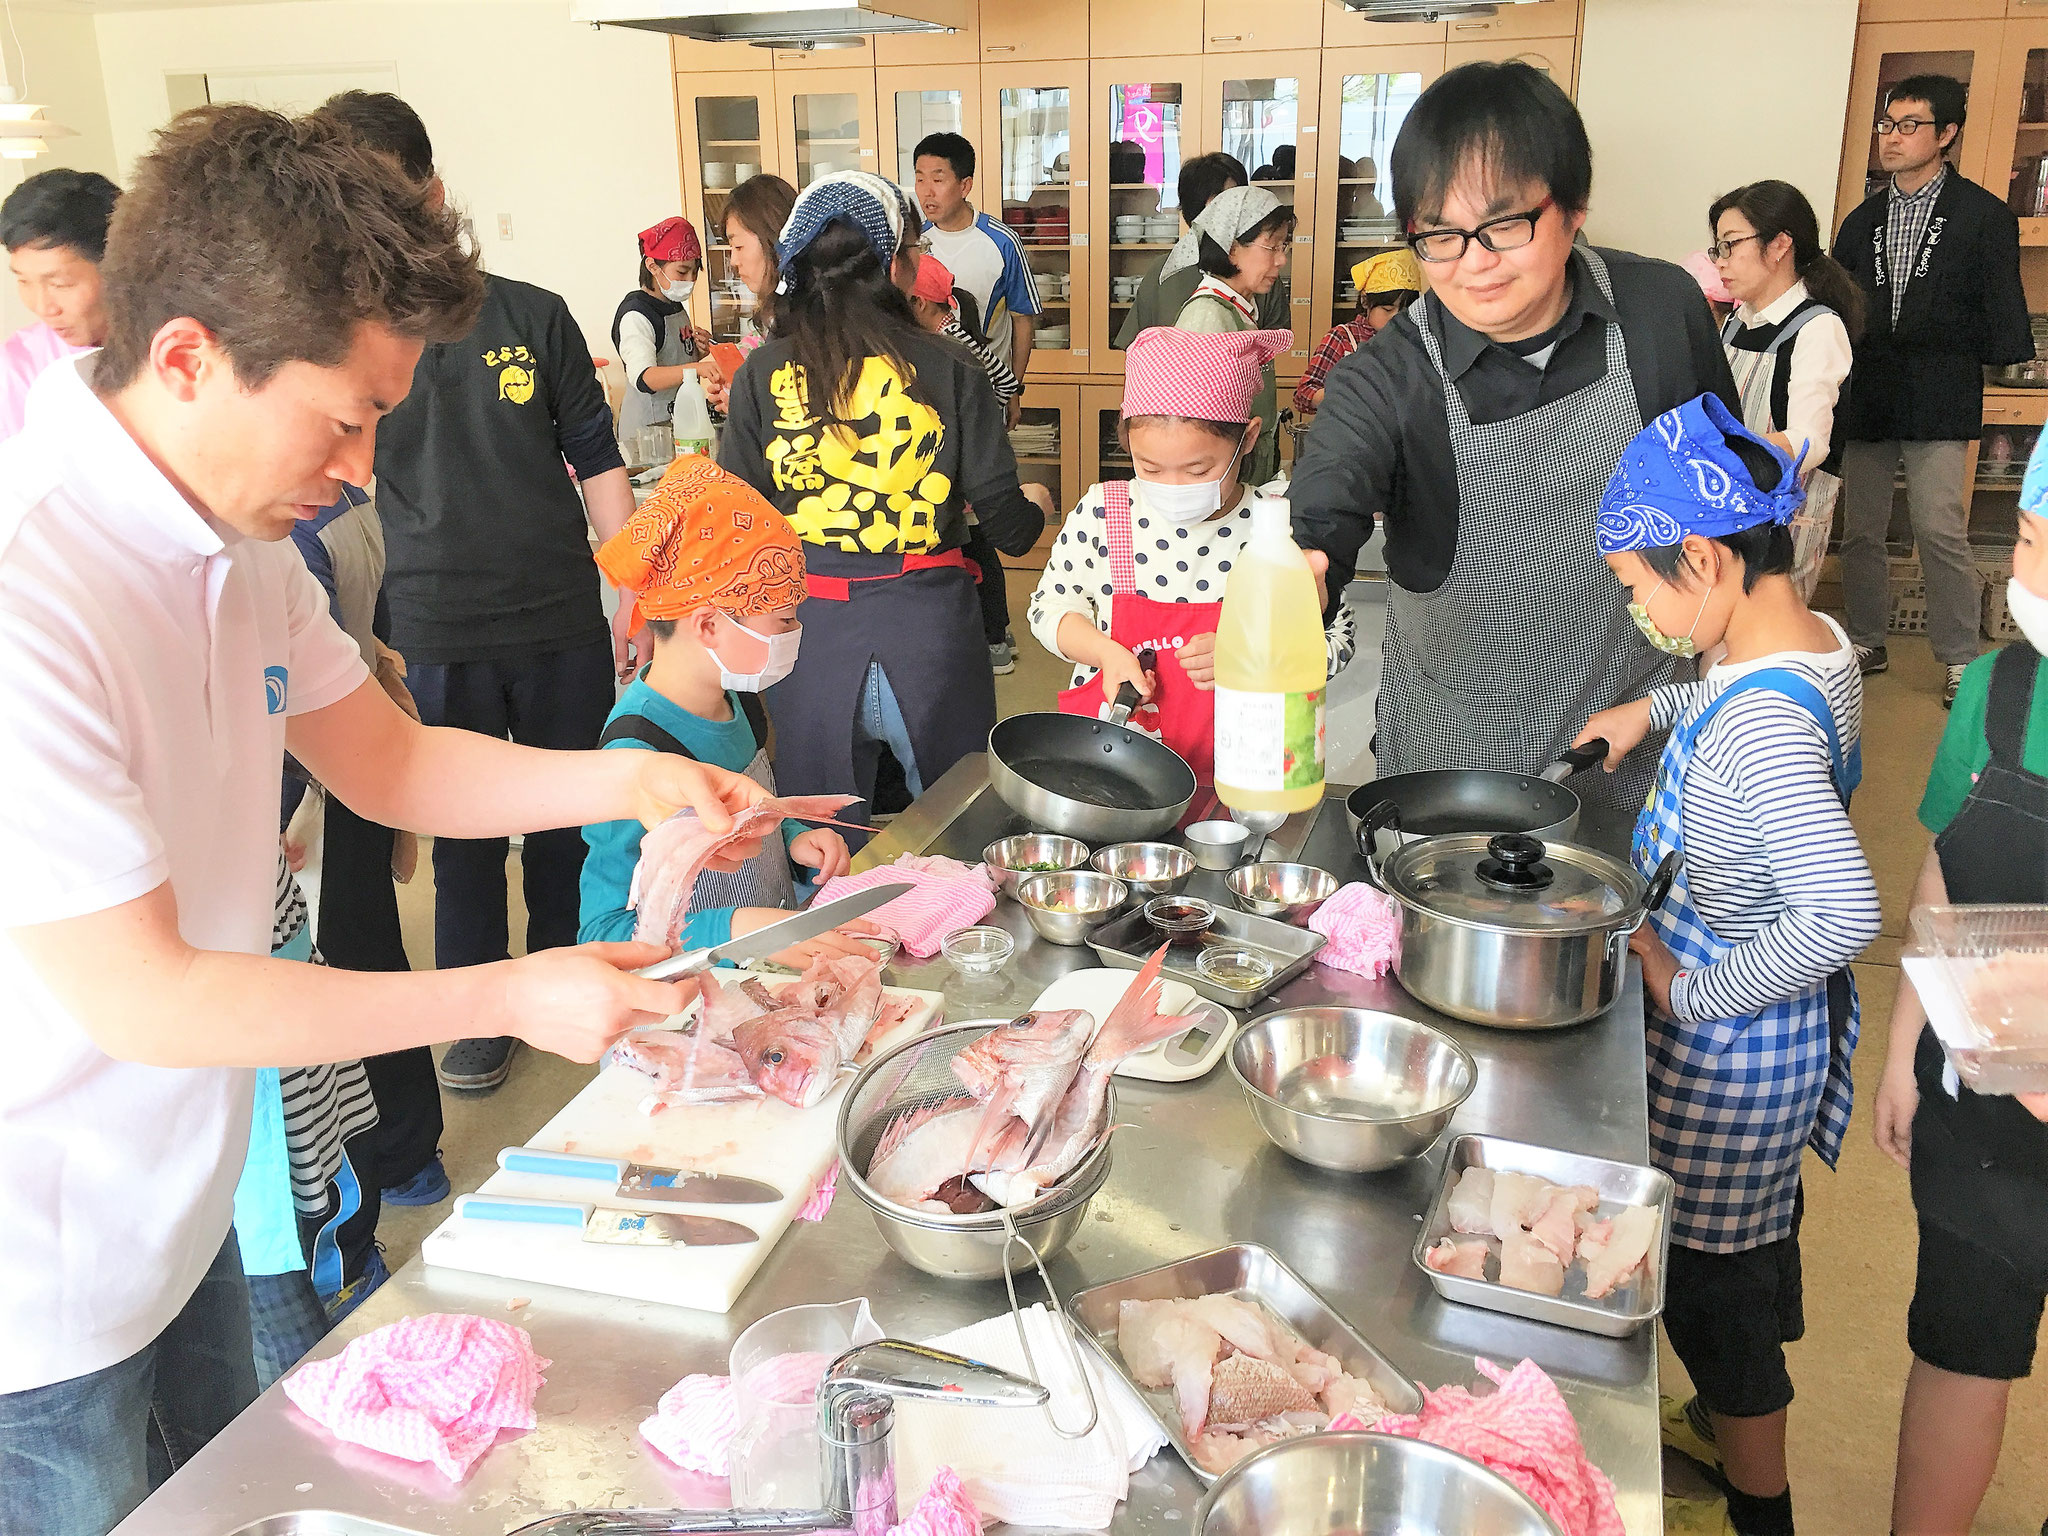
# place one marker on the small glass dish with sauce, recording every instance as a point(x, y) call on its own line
point(1180, 919)
point(1235, 967)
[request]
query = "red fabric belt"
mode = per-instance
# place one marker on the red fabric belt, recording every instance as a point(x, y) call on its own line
point(839, 589)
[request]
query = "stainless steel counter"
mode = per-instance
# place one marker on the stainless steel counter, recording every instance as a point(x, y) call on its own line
point(1193, 1172)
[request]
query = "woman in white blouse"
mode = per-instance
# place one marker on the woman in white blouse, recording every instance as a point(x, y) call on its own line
point(1788, 342)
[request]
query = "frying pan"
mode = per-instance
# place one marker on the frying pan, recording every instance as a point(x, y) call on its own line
point(1407, 806)
point(1094, 779)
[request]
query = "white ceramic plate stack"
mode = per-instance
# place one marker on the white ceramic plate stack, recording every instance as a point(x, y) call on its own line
point(746, 170)
point(717, 174)
point(1055, 338)
point(1124, 289)
point(1129, 229)
point(1163, 229)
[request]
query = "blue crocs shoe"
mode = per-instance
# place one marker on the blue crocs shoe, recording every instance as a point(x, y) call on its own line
point(429, 1186)
point(357, 1291)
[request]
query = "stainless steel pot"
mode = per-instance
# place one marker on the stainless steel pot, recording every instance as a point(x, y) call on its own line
point(1512, 932)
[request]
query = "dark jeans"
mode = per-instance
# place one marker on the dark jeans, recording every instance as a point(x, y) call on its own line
point(993, 592)
point(77, 1456)
point(558, 700)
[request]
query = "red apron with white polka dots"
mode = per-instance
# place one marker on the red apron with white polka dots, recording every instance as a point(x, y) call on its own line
point(1178, 713)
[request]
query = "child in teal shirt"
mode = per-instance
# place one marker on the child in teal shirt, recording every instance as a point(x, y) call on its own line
point(717, 573)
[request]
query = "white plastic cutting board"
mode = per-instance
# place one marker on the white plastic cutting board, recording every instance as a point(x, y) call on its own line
point(759, 1139)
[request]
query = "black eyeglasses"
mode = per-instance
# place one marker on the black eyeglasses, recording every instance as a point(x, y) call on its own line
point(1905, 126)
point(1721, 250)
point(1509, 232)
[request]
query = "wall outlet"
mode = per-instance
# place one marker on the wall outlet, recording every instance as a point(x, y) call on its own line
point(504, 226)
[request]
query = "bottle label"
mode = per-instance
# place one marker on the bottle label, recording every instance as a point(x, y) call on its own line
point(1269, 741)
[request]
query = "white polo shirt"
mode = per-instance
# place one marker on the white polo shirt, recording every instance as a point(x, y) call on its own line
point(148, 661)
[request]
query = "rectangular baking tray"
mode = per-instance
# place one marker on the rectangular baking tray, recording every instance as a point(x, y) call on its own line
point(1129, 940)
point(1250, 1273)
point(1616, 1315)
point(1982, 975)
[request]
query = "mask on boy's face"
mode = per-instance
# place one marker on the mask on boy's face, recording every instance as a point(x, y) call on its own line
point(1671, 645)
point(2029, 611)
point(781, 660)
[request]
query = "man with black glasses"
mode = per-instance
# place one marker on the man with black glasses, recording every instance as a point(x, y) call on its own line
point(1481, 428)
point(1939, 258)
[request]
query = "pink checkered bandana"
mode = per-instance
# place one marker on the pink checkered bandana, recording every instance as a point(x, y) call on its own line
point(1169, 372)
point(436, 1388)
point(950, 896)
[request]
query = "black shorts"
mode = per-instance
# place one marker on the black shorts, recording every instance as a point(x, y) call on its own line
point(1972, 1312)
point(1729, 1317)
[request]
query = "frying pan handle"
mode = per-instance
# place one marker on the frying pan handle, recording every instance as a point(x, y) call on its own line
point(1577, 759)
point(1127, 697)
point(1384, 817)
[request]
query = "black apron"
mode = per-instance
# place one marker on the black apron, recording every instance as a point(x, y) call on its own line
point(924, 627)
point(1980, 1161)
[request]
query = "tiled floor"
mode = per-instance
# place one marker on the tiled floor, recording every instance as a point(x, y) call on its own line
point(1859, 1235)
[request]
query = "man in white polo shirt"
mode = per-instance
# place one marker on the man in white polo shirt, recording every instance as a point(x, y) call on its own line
point(270, 285)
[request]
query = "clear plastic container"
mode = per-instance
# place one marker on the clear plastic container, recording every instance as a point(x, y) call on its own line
point(1982, 974)
point(777, 1365)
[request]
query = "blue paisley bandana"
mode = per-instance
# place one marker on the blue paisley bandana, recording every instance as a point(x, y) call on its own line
point(1680, 476)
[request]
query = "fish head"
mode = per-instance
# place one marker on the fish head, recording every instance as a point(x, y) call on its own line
point(793, 1056)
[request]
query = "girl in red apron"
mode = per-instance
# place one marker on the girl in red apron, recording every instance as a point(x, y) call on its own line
point(1141, 564)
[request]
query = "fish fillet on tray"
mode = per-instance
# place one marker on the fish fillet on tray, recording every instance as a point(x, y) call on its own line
point(1548, 1235)
point(1231, 1350)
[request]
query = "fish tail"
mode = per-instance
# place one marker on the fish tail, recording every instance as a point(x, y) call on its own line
point(1135, 1022)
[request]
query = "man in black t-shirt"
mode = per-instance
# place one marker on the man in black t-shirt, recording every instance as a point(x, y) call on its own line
point(495, 601)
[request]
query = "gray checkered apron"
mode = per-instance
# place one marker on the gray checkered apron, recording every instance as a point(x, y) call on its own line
point(1530, 633)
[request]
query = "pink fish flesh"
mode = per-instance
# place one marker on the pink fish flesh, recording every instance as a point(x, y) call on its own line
point(687, 1068)
point(923, 1149)
point(1020, 1071)
point(1451, 1257)
point(1471, 1203)
point(1556, 1226)
point(675, 853)
point(1517, 1200)
point(1612, 1251)
point(1527, 1265)
point(1243, 1390)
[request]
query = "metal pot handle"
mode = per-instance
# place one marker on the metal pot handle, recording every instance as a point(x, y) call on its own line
point(1012, 1235)
point(1384, 817)
point(1655, 892)
point(1577, 760)
point(1127, 697)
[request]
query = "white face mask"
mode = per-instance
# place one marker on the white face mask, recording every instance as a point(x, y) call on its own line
point(1189, 503)
point(781, 660)
point(679, 293)
point(2029, 610)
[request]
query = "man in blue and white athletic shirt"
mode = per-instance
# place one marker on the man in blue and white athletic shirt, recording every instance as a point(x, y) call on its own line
point(984, 254)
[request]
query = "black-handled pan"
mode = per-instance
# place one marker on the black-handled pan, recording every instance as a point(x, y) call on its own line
point(1094, 779)
point(1411, 805)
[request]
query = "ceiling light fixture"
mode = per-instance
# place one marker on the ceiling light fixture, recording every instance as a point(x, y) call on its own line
point(24, 131)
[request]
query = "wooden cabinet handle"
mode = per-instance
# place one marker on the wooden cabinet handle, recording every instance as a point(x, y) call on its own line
point(1227, 37)
point(1000, 48)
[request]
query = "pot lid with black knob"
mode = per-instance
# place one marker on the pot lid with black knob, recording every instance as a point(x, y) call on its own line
point(1510, 880)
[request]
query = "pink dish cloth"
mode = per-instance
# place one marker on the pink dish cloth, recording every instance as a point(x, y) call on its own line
point(1524, 1432)
point(694, 1423)
point(814, 1209)
point(950, 896)
point(1363, 926)
point(436, 1388)
point(943, 1510)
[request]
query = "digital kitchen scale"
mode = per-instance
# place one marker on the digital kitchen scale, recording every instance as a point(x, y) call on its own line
point(1179, 1058)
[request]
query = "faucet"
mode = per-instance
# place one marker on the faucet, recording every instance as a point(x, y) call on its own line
point(856, 1419)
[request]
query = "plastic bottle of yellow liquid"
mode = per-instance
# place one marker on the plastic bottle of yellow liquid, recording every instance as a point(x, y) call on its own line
point(1271, 673)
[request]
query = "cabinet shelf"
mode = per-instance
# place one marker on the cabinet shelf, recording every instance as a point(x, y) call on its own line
point(1034, 458)
point(832, 143)
point(732, 143)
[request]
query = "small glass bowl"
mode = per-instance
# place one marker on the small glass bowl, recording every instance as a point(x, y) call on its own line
point(1180, 919)
point(884, 948)
point(1238, 969)
point(979, 951)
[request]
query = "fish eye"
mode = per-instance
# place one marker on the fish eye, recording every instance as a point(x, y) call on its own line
point(774, 1058)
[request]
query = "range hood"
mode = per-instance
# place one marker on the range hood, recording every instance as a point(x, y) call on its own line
point(777, 23)
point(1425, 10)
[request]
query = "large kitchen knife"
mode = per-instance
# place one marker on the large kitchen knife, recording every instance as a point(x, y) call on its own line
point(763, 942)
point(603, 1224)
point(639, 1181)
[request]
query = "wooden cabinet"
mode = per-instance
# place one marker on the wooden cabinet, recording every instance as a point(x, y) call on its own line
point(962, 45)
point(1887, 53)
point(1035, 178)
point(1261, 107)
point(2018, 137)
point(1546, 18)
point(1929, 10)
point(1237, 26)
point(1048, 443)
point(1557, 57)
point(1145, 119)
point(1015, 30)
point(688, 56)
point(1102, 455)
point(1135, 28)
point(726, 132)
point(912, 100)
point(826, 122)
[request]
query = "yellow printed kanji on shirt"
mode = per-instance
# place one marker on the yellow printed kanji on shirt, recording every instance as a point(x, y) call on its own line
point(871, 485)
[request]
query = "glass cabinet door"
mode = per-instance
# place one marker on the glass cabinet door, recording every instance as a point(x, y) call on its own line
point(1261, 109)
point(729, 118)
point(1146, 135)
point(826, 134)
point(1041, 164)
point(913, 114)
point(1888, 53)
point(1046, 441)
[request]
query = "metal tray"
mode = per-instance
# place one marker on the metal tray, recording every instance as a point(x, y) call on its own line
point(1251, 1273)
point(1618, 1314)
point(1129, 940)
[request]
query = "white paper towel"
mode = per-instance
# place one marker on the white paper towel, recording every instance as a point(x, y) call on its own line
point(1013, 1466)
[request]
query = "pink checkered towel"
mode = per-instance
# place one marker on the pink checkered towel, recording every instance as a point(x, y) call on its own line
point(1524, 1432)
point(436, 1388)
point(1363, 926)
point(950, 896)
point(694, 1424)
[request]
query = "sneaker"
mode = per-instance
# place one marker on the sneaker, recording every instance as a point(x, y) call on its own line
point(357, 1291)
point(473, 1066)
point(429, 1186)
point(1686, 1429)
point(1955, 681)
point(1697, 1517)
point(1002, 660)
point(1872, 659)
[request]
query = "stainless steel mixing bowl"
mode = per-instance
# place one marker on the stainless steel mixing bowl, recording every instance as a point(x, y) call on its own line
point(1063, 908)
point(1289, 892)
point(1006, 860)
point(1147, 869)
point(1348, 1088)
point(1373, 1485)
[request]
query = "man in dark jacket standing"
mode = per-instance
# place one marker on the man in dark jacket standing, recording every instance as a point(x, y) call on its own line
point(1939, 258)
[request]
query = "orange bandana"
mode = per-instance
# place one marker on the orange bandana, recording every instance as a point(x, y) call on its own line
point(705, 537)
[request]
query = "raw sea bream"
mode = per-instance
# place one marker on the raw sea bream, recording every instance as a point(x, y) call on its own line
point(1240, 1377)
point(675, 853)
point(1544, 1229)
point(1036, 1105)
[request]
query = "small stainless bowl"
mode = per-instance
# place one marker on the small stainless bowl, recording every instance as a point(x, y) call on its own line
point(1149, 869)
point(1064, 907)
point(1350, 1089)
point(1215, 844)
point(1005, 859)
point(1374, 1485)
point(1289, 892)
